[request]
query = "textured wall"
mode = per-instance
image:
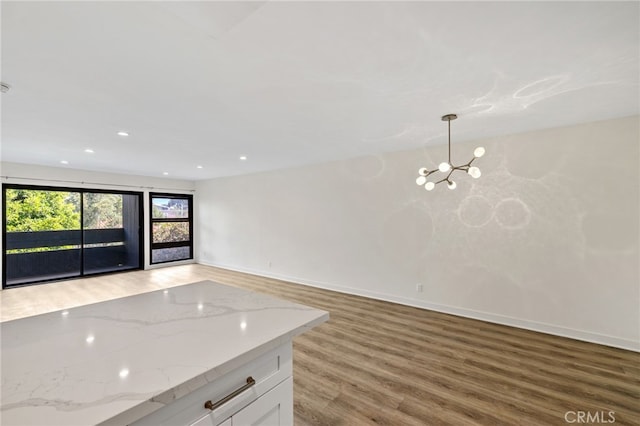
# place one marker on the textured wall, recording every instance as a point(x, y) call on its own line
point(546, 239)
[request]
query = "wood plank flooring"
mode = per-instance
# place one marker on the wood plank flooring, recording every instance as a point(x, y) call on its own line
point(378, 363)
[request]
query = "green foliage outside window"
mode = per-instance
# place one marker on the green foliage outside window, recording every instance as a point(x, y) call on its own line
point(30, 210)
point(34, 211)
point(170, 232)
point(102, 211)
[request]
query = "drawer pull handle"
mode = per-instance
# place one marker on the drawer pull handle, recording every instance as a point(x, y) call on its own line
point(212, 406)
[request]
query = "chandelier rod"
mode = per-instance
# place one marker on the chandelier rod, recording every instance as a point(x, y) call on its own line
point(449, 127)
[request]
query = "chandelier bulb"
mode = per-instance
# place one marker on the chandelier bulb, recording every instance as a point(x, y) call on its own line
point(421, 180)
point(451, 185)
point(444, 167)
point(478, 152)
point(474, 172)
point(429, 186)
point(423, 171)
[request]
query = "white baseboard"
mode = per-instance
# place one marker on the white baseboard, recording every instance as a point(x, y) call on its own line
point(453, 310)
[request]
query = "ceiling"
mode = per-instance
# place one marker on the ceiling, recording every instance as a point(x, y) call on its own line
point(293, 83)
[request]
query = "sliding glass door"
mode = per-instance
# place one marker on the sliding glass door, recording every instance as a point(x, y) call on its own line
point(111, 232)
point(53, 233)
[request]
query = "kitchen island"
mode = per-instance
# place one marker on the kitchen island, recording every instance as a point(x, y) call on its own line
point(198, 354)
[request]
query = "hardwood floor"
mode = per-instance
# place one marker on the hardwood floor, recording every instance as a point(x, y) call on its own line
point(376, 362)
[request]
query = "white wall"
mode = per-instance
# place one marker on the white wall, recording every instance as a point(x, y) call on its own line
point(546, 239)
point(28, 174)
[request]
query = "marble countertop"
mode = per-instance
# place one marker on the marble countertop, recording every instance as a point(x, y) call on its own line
point(114, 362)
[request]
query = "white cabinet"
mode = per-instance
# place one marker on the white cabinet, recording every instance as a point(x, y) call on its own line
point(274, 408)
point(258, 393)
point(206, 421)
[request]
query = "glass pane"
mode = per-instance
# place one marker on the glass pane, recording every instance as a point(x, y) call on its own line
point(169, 208)
point(42, 235)
point(34, 210)
point(170, 254)
point(102, 211)
point(111, 234)
point(170, 232)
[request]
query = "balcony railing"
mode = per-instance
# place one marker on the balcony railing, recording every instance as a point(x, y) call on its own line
point(45, 255)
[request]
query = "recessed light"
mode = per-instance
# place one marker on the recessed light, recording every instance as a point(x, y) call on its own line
point(243, 157)
point(124, 373)
point(123, 134)
point(89, 151)
point(198, 167)
point(64, 162)
point(165, 173)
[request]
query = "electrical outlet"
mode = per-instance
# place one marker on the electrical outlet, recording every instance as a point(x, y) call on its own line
point(419, 288)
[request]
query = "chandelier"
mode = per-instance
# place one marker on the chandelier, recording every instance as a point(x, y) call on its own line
point(448, 167)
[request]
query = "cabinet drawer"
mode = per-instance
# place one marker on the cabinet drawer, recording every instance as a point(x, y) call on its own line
point(274, 408)
point(268, 370)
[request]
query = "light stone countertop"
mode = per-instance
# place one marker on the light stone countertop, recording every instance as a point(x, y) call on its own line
point(114, 362)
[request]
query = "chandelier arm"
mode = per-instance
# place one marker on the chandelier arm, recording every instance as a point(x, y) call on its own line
point(449, 175)
point(429, 172)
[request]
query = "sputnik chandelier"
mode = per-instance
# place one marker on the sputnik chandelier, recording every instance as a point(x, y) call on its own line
point(448, 167)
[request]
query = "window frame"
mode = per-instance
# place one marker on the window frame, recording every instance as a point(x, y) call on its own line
point(172, 244)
